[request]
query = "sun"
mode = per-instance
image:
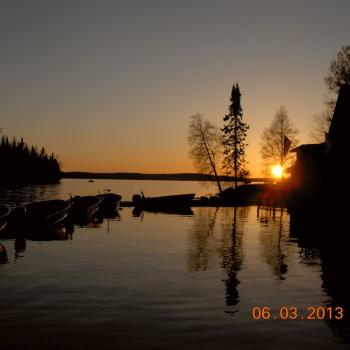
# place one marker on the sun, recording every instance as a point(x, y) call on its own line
point(277, 171)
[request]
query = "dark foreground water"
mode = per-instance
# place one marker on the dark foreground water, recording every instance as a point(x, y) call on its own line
point(161, 281)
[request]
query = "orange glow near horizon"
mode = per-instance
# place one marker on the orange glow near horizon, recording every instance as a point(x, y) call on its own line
point(115, 112)
point(277, 171)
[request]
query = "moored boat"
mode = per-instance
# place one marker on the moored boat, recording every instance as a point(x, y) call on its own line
point(110, 202)
point(162, 202)
point(4, 215)
point(85, 207)
point(46, 214)
point(39, 216)
point(183, 210)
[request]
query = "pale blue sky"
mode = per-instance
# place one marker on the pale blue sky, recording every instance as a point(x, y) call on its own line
point(110, 85)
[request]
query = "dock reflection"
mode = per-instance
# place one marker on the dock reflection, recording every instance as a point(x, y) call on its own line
point(274, 233)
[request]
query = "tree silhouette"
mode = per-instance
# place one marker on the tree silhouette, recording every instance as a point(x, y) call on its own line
point(321, 124)
point(234, 135)
point(339, 74)
point(273, 139)
point(23, 165)
point(205, 146)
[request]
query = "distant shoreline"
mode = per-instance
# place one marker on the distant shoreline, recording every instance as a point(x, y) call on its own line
point(141, 176)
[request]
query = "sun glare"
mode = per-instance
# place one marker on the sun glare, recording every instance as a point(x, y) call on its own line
point(277, 171)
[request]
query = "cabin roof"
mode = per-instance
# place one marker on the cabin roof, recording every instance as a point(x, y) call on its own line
point(308, 147)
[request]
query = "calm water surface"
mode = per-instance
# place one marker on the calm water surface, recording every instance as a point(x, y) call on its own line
point(162, 281)
point(126, 188)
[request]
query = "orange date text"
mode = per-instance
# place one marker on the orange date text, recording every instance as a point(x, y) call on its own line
point(295, 313)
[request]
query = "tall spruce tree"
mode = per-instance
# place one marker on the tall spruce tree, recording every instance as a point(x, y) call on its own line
point(234, 135)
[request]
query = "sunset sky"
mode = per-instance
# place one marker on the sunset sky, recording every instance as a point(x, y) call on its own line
point(110, 85)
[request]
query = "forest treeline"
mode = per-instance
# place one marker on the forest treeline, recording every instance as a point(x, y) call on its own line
point(23, 164)
point(141, 176)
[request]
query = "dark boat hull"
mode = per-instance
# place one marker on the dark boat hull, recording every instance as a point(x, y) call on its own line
point(85, 207)
point(110, 202)
point(164, 202)
point(38, 216)
point(184, 210)
point(46, 214)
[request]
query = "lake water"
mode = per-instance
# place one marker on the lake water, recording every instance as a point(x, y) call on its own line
point(160, 281)
point(126, 188)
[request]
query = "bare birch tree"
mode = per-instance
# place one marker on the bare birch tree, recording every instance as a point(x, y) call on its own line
point(321, 124)
point(273, 139)
point(205, 142)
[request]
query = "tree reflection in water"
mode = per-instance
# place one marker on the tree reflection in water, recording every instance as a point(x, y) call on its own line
point(231, 250)
point(274, 234)
point(203, 240)
point(210, 243)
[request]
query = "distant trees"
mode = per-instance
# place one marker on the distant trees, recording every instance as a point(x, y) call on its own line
point(234, 136)
point(278, 138)
point(21, 164)
point(205, 142)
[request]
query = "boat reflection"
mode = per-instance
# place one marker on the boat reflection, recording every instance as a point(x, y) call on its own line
point(112, 214)
point(62, 233)
point(94, 221)
point(20, 247)
point(3, 254)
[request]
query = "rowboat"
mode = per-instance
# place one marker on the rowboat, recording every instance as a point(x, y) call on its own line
point(4, 215)
point(46, 214)
point(85, 207)
point(172, 201)
point(110, 202)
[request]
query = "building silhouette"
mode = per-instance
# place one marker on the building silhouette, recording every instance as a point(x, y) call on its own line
point(319, 167)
